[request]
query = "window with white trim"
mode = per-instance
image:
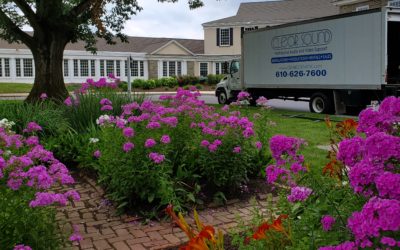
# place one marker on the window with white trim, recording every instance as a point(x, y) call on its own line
point(27, 67)
point(92, 67)
point(134, 68)
point(218, 68)
point(203, 69)
point(179, 69)
point(102, 68)
point(18, 67)
point(118, 67)
point(24, 67)
point(6, 67)
point(110, 67)
point(172, 68)
point(76, 68)
point(224, 37)
point(66, 69)
point(141, 68)
point(84, 68)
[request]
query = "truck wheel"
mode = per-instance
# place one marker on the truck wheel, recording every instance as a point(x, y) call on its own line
point(320, 103)
point(222, 97)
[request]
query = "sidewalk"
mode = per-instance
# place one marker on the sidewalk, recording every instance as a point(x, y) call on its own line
point(102, 229)
point(23, 95)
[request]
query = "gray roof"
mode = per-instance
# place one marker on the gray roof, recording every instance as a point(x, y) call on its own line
point(136, 44)
point(277, 12)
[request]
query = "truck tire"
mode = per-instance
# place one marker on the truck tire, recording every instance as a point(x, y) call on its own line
point(321, 103)
point(222, 97)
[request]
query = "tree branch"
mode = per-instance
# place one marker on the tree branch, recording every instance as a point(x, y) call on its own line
point(30, 15)
point(15, 30)
point(81, 7)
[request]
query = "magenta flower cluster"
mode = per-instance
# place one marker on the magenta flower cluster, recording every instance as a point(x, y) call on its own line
point(327, 222)
point(159, 117)
point(288, 162)
point(373, 164)
point(299, 194)
point(24, 163)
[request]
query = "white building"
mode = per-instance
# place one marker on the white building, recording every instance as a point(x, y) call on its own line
point(161, 57)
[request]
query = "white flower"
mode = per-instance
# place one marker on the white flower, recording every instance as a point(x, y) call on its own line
point(4, 123)
point(93, 140)
point(7, 153)
point(103, 119)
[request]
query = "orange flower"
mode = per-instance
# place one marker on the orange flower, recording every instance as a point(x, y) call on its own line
point(180, 221)
point(277, 224)
point(346, 128)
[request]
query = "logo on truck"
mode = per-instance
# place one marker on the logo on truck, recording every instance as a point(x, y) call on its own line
point(301, 40)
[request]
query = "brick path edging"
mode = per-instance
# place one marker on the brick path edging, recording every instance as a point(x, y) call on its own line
point(101, 229)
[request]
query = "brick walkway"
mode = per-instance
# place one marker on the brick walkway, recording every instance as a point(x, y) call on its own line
point(102, 229)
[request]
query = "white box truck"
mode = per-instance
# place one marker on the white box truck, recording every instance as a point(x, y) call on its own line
point(336, 63)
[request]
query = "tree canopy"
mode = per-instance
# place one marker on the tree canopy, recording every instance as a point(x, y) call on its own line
point(56, 23)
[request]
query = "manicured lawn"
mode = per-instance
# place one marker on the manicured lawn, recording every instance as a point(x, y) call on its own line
point(6, 88)
point(314, 132)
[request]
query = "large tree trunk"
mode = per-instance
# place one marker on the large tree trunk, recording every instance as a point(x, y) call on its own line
point(48, 57)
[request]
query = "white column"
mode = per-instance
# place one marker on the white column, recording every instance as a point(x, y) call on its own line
point(97, 68)
point(184, 67)
point(70, 70)
point(146, 69)
point(12, 69)
point(160, 69)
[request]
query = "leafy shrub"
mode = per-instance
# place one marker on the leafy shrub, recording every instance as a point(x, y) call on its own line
point(349, 204)
point(214, 79)
point(187, 80)
point(193, 147)
point(28, 175)
point(47, 114)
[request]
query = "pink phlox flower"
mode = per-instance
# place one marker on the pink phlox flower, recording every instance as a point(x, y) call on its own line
point(327, 222)
point(262, 101)
point(205, 143)
point(22, 247)
point(43, 96)
point(348, 245)
point(149, 143)
point(32, 141)
point(243, 95)
point(76, 236)
point(237, 150)
point(97, 154)
point(106, 108)
point(153, 125)
point(32, 127)
point(38, 175)
point(156, 158)
point(165, 139)
point(128, 132)
point(299, 194)
point(72, 195)
point(46, 199)
point(128, 146)
point(258, 145)
point(68, 101)
point(105, 101)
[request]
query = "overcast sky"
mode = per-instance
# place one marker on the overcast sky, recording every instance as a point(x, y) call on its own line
point(177, 20)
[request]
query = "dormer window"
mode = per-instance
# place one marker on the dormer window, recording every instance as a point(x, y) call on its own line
point(225, 37)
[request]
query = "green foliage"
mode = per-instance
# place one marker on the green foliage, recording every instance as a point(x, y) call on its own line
point(20, 224)
point(188, 80)
point(47, 114)
point(214, 79)
point(84, 115)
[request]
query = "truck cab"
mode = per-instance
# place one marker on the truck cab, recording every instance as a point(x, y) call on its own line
point(228, 88)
